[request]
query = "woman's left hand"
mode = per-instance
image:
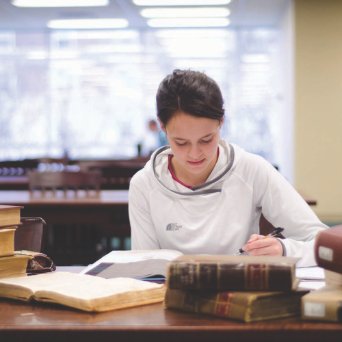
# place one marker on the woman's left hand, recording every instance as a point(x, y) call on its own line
point(259, 245)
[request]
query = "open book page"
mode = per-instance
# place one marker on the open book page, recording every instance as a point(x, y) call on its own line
point(23, 288)
point(136, 264)
point(85, 292)
point(98, 294)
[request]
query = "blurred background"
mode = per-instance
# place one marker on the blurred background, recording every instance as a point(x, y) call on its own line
point(78, 79)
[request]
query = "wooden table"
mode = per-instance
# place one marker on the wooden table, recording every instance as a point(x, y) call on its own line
point(46, 322)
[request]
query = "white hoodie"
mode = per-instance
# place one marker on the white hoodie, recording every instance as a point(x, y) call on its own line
point(218, 216)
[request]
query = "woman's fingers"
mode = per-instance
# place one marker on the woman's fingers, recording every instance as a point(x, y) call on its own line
point(263, 246)
point(255, 237)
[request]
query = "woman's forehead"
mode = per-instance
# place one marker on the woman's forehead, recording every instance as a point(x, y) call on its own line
point(184, 125)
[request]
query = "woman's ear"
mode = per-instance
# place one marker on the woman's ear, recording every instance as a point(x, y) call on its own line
point(162, 126)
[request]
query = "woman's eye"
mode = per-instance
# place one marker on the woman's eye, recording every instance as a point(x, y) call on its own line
point(207, 141)
point(178, 144)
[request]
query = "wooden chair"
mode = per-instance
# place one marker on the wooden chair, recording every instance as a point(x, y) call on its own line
point(65, 181)
point(29, 235)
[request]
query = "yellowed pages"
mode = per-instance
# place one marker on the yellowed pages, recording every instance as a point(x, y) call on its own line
point(83, 292)
point(7, 242)
point(9, 215)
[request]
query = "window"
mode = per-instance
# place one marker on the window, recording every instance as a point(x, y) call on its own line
point(92, 93)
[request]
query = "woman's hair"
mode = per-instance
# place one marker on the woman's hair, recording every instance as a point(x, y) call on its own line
point(190, 92)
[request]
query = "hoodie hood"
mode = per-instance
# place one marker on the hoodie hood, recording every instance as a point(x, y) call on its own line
point(157, 169)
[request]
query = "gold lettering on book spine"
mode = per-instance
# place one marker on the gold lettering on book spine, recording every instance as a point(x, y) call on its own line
point(224, 303)
point(198, 270)
point(256, 277)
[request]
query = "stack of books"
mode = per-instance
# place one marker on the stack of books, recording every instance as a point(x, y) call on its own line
point(245, 288)
point(10, 265)
point(326, 303)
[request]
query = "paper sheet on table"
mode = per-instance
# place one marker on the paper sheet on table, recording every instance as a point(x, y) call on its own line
point(310, 273)
point(311, 284)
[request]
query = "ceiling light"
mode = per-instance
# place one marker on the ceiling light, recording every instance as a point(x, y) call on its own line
point(122, 34)
point(188, 22)
point(59, 3)
point(195, 33)
point(180, 2)
point(87, 23)
point(206, 12)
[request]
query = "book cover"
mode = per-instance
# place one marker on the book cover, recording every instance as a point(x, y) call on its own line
point(82, 292)
point(13, 266)
point(324, 304)
point(333, 278)
point(232, 273)
point(328, 251)
point(7, 241)
point(243, 306)
point(9, 215)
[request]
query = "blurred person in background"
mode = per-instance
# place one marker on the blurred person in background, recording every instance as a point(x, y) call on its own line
point(153, 139)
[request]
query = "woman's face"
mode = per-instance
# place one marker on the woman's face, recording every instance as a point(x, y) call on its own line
point(193, 141)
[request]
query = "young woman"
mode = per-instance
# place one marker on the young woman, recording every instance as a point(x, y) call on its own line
point(203, 195)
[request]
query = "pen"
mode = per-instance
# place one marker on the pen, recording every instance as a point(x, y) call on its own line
point(274, 232)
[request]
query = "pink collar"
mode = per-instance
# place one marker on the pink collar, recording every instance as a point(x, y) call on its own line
point(173, 174)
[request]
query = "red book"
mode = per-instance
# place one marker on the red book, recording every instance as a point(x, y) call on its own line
point(328, 250)
point(232, 273)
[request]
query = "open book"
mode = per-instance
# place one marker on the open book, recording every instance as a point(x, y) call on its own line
point(140, 264)
point(82, 292)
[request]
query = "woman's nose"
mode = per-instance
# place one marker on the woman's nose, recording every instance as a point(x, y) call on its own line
point(195, 152)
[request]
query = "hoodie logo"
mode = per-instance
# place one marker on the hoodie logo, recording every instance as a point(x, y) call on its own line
point(173, 226)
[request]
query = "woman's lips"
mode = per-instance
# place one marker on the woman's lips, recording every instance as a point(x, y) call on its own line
point(196, 163)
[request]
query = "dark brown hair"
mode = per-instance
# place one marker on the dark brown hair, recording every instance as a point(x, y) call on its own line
point(191, 92)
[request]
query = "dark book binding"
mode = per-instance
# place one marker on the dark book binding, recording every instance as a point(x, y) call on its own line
point(324, 304)
point(232, 274)
point(328, 251)
point(244, 306)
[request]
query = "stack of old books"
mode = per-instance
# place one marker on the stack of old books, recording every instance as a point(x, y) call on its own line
point(326, 303)
point(10, 265)
point(83, 292)
point(239, 287)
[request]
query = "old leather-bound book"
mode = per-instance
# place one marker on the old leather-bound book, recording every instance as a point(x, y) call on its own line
point(232, 273)
point(13, 266)
point(9, 215)
point(7, 241)
point(245, 306)
point(324, 304)
point(82, 292)
point(328, 251)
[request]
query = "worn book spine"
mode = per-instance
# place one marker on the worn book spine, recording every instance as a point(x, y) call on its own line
point(322, 309)
point(333, 278)
point(221, 304)
point(7, 241)
point(230, 277)
point(328, 251)
point(243, 306)
point(9, 216)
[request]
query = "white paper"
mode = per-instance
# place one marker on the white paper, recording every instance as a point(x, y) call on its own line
point(131, 256)
point(311, 284)
point(310, 273)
